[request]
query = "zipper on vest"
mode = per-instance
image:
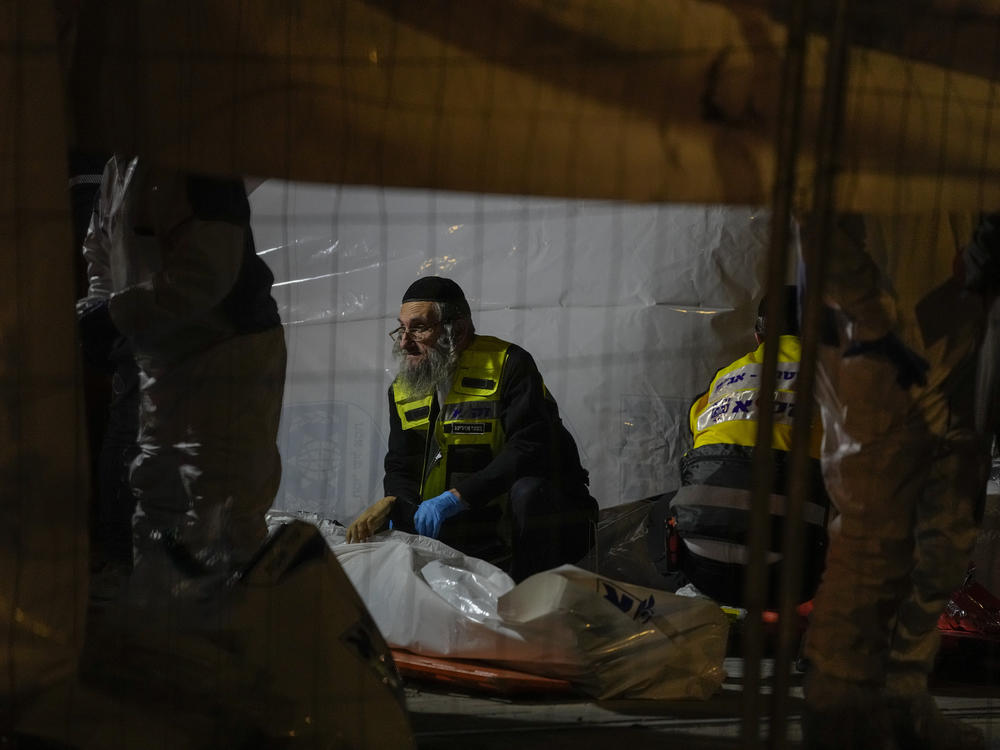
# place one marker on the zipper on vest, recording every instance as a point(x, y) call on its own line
point(428, 439)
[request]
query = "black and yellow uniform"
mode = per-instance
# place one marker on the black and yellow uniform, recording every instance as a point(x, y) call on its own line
point(467, 432)
point(712, 508)
point(498, 439)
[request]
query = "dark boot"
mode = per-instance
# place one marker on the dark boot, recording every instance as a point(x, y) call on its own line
point(919, 725)
point(839, 714)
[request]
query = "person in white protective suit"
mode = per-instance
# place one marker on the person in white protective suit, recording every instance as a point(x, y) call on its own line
point(209, 639)
point(174, 255)
point(906, 467)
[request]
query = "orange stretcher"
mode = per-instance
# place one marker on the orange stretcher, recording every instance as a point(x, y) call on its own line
point(476, 677)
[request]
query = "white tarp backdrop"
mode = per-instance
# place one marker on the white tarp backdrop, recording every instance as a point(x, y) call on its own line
point(627, 308)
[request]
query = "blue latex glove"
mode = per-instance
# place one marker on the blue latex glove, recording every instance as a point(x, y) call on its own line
point(434, 511)
point(911, 368)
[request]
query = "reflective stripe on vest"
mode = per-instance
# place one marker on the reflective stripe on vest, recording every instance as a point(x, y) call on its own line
point(729, 411)
point(470, 415)
point(726, 552)
point(722, 515)
point(708, 496)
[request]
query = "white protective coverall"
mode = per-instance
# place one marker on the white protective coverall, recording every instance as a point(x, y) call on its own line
point(174, 253)
point(903, 461)
point(253, 662)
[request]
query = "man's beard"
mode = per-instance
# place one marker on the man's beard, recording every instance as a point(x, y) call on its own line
point(435, 369)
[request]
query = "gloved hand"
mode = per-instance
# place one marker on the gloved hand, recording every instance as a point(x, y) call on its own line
point(911, 368)
point(371, 520)
point(436, 510)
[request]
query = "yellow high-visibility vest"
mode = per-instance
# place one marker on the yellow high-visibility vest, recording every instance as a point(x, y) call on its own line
point(470, 415)
point(728, 412)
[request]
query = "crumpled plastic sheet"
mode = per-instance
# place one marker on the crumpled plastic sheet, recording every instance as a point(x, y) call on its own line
point(624, 340)
point(613, 640)
point(631, 544)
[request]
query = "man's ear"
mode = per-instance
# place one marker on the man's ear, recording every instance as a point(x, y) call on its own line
point(463, 330)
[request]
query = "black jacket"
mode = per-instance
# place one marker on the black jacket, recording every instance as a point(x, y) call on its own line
point(537, 444)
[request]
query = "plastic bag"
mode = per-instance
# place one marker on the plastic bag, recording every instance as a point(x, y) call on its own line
point(450, 612)
point(632, 544)
point(610, 639)
point(619, 640)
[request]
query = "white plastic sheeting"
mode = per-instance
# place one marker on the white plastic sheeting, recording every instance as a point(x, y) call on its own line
point(627, 308)
point(613, 640)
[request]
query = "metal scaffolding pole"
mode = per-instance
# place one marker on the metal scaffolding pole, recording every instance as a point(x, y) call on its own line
point(787, 147)
point(815, 253)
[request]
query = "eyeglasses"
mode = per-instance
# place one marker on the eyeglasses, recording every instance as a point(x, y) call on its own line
point(417, 332)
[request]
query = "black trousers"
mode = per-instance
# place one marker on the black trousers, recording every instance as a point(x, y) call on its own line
point(724, 582)
point(544, 526)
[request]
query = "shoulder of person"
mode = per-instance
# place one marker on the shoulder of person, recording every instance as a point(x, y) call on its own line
point(519, 357)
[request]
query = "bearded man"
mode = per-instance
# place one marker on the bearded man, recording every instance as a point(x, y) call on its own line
point(478, 456)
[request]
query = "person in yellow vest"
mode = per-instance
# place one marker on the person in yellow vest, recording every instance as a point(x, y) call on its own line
point(712, 507)
point(478, 456)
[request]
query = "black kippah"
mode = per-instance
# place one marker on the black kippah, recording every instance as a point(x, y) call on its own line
point(791, 299)
point(437, 289)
